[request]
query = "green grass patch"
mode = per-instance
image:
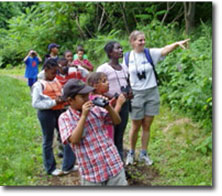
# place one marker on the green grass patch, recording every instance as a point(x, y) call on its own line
point(174, 149)
point(20, 135)
point(18, 70)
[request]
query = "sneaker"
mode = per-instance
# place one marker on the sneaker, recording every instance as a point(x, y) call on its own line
point(146, 159)
point(57, 172)
point(129, 159)
point(75, 168)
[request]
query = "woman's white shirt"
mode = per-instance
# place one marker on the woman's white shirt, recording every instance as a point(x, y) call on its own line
point(139, 63)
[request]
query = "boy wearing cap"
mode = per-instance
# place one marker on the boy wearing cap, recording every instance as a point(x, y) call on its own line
point(53, 51)
point(83, 127)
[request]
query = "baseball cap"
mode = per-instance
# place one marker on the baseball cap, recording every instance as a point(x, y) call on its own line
point(74, 87)
point(53, 45)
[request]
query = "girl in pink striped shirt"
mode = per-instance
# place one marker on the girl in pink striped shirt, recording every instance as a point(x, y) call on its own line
point(99, 81)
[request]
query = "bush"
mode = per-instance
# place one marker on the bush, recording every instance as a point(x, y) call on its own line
point(186, 78)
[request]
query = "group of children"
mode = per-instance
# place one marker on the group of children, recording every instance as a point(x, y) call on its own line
point(90, 110)
point(64, 96)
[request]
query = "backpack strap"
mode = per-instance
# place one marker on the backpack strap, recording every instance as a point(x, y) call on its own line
point(127, 55)
point(149, 59)
point(148, 56)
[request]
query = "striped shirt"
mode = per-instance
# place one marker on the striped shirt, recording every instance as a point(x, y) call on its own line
point(96, 153)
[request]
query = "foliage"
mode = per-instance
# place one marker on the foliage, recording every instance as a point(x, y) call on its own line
point(8, 10)
point(186, 78)
point(36, 24)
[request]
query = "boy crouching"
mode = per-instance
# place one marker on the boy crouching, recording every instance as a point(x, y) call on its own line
point(83, 127)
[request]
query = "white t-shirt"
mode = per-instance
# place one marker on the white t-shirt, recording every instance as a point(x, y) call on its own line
point(139, 63)
point(84, 72)
point(116, 78)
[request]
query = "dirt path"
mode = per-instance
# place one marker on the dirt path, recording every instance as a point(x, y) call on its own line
point(16, 77)
point(138, 175)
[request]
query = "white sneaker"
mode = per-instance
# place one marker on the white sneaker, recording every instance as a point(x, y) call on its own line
point(129, 159)
point(146, 159)
point(75, 168)
point(57, 172)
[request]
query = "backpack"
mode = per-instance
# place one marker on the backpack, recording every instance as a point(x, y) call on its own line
point(149, 59)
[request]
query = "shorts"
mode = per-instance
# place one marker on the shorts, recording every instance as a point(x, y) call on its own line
point(31, 81)
point(118, 180)
point(145, 103)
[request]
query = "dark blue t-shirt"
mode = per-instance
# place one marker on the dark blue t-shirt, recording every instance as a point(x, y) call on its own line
point(31, 67)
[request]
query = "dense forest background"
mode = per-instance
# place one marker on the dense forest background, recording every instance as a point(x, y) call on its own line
point(185, 75)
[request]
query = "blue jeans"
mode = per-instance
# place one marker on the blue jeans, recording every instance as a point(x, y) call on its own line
point(120, 128)
point(49, 122)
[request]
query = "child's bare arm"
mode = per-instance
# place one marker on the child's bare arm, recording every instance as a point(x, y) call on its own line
point(78, 131)
point(120, 101)
point(113, 114)
point(29, 54)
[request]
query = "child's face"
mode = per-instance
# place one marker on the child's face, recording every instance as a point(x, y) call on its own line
point(80, 54)
point(117, 51)
point(78, 101)
point(62, 66)
point(68, 56)
point(50, 74)
point(102, 86)
point(55, 51)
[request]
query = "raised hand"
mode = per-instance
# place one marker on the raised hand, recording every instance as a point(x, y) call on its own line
point(183, 43)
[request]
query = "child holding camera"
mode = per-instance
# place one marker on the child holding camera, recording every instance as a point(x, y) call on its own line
point(99, 81)
point(117, 75)
point(83, 127)
point(46, 98)
point(32, 61)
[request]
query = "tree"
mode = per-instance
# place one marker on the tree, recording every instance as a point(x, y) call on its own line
point(189, 14)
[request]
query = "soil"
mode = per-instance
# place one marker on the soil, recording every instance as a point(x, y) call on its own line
point(137, 174)
point(17, 77)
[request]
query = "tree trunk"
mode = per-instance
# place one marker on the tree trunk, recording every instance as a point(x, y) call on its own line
point(189, 13)
point(167, 10)
point(122, 5)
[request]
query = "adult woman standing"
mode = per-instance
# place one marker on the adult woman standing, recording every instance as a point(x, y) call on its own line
point(117, 77)
point(146, 101)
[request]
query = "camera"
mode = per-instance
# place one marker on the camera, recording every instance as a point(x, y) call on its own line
point(100, 102)
point(127, 91)
point(141, 75)
point(33, 53)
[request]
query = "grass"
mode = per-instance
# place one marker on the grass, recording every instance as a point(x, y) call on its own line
point(173, 144)
point(173, 148)
point(18, 70)
point(20, 141)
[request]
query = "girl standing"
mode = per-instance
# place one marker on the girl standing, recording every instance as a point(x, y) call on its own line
point(117, 76)
point(46, 97)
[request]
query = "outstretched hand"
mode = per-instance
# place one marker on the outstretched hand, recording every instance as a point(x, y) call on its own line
point(183, 43)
